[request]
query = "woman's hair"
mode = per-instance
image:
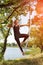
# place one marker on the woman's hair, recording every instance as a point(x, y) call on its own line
point(15, 22)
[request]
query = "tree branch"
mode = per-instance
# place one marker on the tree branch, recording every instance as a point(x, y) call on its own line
point(15, 8)
point(12, 3)
point(6, 5)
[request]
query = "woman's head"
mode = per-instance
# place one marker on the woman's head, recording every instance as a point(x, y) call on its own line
point(16, 22)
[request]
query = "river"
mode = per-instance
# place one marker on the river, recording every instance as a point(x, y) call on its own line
point(13, 53)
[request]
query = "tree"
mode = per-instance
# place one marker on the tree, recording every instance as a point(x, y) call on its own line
point(36, 33)
point(8, 9)
point(15, 8)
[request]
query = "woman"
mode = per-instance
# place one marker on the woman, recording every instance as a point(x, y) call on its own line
point(17, 34)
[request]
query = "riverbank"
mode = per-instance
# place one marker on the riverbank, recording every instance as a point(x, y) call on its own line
point(14, 53)
point(33, 60)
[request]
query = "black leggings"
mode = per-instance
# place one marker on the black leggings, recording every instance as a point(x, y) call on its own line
point(25, 36)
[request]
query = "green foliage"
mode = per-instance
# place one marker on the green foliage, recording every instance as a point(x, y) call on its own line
point(33, 60)
point(8, 9)
point(33, 51)
point(4, 1)
point(6, 13)
point(36, 37)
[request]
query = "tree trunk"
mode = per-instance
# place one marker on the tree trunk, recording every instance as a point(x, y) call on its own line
point(5, 42)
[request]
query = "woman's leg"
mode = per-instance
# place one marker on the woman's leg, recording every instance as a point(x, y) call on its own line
point(18, 42)
point(25, 36)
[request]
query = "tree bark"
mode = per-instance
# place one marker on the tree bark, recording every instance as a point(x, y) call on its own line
point(5, 41)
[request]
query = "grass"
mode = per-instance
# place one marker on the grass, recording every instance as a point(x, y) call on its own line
point(33, 60)
point(33, 51)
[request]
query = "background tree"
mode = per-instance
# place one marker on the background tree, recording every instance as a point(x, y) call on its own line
point(36, 33)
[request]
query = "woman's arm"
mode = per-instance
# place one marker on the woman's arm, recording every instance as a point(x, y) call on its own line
point(24, 25)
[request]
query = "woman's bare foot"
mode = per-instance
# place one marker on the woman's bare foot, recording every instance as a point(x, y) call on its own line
point(23, 53)
point(22, 43)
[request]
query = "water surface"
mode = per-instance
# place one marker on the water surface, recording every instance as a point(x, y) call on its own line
point(13, 53)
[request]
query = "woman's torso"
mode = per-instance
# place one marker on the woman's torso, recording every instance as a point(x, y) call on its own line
point(16, 30)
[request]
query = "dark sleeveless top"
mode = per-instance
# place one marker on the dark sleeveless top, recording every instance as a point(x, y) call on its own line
point(16, 31)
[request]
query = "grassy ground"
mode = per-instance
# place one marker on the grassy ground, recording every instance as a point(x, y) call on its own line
point(33, 60)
